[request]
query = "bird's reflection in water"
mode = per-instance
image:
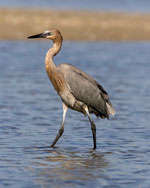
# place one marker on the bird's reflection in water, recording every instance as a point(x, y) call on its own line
point(62, 168)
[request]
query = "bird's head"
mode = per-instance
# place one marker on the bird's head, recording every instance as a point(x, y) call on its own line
point(52, 34)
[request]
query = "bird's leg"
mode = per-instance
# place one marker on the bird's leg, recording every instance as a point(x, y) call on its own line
point(93, 127)
point(61, 130)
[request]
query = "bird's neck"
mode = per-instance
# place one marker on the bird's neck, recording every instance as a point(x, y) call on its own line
point(53, 74)
point(49, 64)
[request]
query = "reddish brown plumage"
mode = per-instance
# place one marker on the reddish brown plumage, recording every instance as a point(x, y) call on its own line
point(57, 79)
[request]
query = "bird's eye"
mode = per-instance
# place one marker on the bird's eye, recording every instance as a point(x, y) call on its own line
point(47, 33)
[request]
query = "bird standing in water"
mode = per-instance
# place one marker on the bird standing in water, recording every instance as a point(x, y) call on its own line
point(78, 90)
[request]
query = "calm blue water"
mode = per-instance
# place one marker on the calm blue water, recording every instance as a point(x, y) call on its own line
point(31, 111)
point(98, 5)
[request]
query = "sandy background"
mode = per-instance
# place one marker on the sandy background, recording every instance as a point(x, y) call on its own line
point(74, 25)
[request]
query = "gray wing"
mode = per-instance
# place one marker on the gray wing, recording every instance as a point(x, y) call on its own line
point(85, 89)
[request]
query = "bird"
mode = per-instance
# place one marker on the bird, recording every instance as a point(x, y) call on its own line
point(77, 89)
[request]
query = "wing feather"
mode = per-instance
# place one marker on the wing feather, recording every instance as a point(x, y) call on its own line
point(85, 89)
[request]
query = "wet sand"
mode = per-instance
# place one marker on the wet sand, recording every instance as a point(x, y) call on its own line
point(75, 25)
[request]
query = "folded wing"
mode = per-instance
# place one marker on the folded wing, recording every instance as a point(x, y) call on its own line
point(87, 90)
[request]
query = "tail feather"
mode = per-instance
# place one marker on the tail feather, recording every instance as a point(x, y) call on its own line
point(110, 108)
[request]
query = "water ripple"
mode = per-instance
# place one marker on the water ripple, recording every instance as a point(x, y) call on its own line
point(31, 112)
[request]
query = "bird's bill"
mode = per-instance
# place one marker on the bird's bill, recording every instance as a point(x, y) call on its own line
point(45, 34)
point(41, 35)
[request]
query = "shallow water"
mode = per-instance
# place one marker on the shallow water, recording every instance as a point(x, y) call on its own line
point(31, 111)
point(98, 5)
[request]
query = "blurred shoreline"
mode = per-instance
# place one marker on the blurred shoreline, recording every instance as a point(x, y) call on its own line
point(17, 24)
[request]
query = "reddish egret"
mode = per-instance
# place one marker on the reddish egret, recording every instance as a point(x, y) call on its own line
point(78, 90)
